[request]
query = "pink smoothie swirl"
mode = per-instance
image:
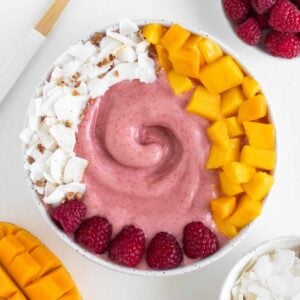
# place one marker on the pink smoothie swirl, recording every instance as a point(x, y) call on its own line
point(147, 159)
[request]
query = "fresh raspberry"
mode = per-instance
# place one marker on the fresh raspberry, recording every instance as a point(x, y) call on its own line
point(164, 252)
point(199, 241)
point(285, 17)
point(249, 31)
point(128, 246)
point(69, 215)
point(94, 233)
point(237, 10)
point(263, 20)
point(262, 6)
point(283, 44)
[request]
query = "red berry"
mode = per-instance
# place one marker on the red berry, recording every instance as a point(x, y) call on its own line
point(94, 234)
point(128, 246)
point(199, 241)
point(262, 6)
point(263, 20)
point(69, 215)
point(285, 17)
point(249, 31)
point(164, 252)
point(283, 44)
point(237, 10)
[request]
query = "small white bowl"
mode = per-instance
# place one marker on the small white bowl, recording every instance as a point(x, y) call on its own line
point(286, 242)
point(182, 269)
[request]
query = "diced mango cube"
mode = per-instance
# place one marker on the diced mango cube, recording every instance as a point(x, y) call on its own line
point(10, 247)
point(225, 227)
point(204, 104)
point(222, 207)
point(179, 83)
point(246, 211)
point(238, 172)
point(259, 186)
point(250, 87)
point(228, 187)
point(218, 133)
point(260, 135)
point(253, 109)
point(186, 62)
point(219, 156)
point(234, 127)
point(174, 38)
point(153, 33)
point(221, 75)
point(7, 286)
point(259, 158)
point(231, 101)
point(193, 43)
point(163, 57)
point(210, 50)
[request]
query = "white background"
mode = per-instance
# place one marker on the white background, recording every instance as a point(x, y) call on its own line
point(279, 77)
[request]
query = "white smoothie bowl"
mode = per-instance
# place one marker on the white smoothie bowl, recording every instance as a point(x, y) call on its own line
point(268, 247)
point(232, 243)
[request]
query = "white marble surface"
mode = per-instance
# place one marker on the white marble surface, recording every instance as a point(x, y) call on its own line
point(279, 77)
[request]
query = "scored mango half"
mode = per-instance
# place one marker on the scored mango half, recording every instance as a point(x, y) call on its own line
point(29, 270)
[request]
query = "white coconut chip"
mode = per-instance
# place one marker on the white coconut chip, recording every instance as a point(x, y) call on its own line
point(74, 169)
point(127, 26)
point(147, 75)
point(126, 54)
point(82, 51)
point(56, 74)
point(58, 162)
point(64, 136)
point(26, 136)
point(121, 38)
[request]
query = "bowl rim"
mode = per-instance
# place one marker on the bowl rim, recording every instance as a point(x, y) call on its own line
point(268, 246)
point(197, 265)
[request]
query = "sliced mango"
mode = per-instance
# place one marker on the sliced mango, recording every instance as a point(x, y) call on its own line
point(163, 57)
point(221, 75)
point(204, 104)
point(231, 101)
point(175, 37)
point(222, 207)
point(246, 211)
point(238, 172)
point(7, 286)
point(218, 133)
point(228, 187)
point(259, 186)
point(250, 87)
point(186, 62)
point(234, 127)
point(253, 109)
point(258, 158)
point(153, 33)
point(17, 296)
point(260, 135)
point(225, 227)
point(179, 83)
point(210, 50)
point(219, 156)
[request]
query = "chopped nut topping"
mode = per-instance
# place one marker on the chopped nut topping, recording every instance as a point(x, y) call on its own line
point(76, 75)
point(92, 101)
point(61, 83)
point(40, 183)
point(103, 62)
point(41, 148)
point(116, 73)
point(77, 83)
point(152, 52)
point(96, 38)
point(111, 57)
point(30, 160)
point(101, 76)
point(42, 118)
point(68, 123)
point(69, 195)
point(75, 93)
point(78, 196)
point(82, 117)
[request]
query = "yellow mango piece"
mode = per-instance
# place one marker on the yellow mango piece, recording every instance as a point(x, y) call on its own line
point(258, 158)
point(221, 75)
point(253, 109)
point(163, 57)
point(259, 186)
point(238, 172)
point(222, 207)
point(193, 43)
point(186, 62)
point(219, 156)
point(246, 211)
point(250, 87)
point(174, 38)
point(234, 127)
point(10, 229)
point(204, 104)
point(218, 133)
point(228, 187)
point(10, 247)
point(153, 33)
point(260, 135)
point(225, 227)
point(7, 286)
point(71, 295)
point(210, 50)
point(231, 101)
point(27, 240)
point(17, 296)
point(179, 83)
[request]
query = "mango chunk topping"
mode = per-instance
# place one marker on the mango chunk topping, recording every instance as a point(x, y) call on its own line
point(250, 87)
point(238, 172)
point(253, 109)
point(179, 83)
point(153, 33)
point(223, 207)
